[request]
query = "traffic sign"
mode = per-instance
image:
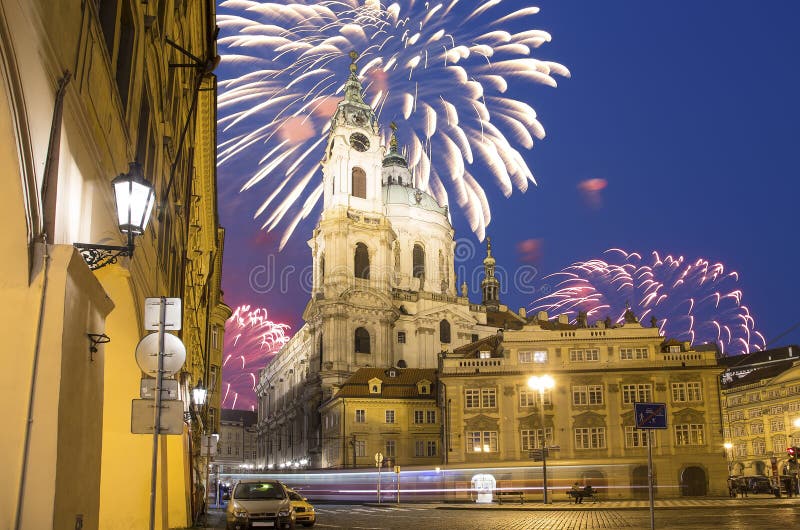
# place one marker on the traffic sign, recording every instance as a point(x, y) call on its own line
point(152, 313)
point(169, 388)
point(378, 458)
point(143, 416)
point(650, 415)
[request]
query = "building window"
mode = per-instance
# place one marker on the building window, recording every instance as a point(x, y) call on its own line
point(584, 355)
point(740, 449)
point(590, 438)
point(637, 437)
point(444, 331)
point(776, 425)
point(430, 416)
point(778, 444)
point(488, 398)
point(472, 398)
point(691, 391)
point(419, 416)
point(401, 337)
point(389, 416)
point(629, 354)
point(776, 409)
point(391, 449)
point(759, 447)
point(359, 183)
point(754, 413)
point(532, 438)
point(474, 337)
point(361, 261)
point(361, 448)
point(482, 441)
point(739, 430)
point(485, 354)
point(757, 428)
point(539, 357)
point(689, 434)
point(361, 416)
point(527, 398)
point(362, 340)
point(637, 393)
point(430, 448)
point(587, 395)
point(418, 268)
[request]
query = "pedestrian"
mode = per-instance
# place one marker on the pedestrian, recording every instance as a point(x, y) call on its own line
point(577, 493)
point(743, 489)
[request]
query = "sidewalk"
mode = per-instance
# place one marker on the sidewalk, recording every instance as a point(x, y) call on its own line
point(677, 503)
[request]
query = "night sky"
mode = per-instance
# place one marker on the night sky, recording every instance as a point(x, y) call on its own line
point(686, 116)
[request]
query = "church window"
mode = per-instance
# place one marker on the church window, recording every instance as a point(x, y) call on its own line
point(418, 270)
point(401, 337)
point(359, 183)
point(362, 340)
point(444, 331)
point(362, 261)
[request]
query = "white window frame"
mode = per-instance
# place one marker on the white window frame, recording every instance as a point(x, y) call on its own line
point(692, 434)
point(419, 416)
point(390, 416)
point(637, 438)
point(590, 438)
point(637, 393)
point(482, 442)
point(361, 416)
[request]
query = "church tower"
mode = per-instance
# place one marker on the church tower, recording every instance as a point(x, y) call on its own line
point(490, 284)
point(351, 310)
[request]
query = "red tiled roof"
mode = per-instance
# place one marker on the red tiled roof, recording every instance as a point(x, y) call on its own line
point(402, 386)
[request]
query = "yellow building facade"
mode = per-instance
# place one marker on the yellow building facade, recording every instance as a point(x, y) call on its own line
point(761, 411)
point(88, 88)
point(494, 419)
point(391, 411)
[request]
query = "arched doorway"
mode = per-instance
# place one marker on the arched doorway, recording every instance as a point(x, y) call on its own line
point(693, 482)
point(639, 483)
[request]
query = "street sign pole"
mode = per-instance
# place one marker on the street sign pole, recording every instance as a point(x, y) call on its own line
point(650, 478)
point(650, 416)
point(379, 465)
point(544, 468)
point(157, 424)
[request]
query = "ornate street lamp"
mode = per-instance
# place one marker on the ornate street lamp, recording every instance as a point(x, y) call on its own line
point(542, 383)
point(728, 446)
point(199, 394)
point(134, 199)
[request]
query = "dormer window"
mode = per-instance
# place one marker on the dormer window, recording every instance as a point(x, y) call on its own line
point(674, 349)
point(485, 354)
point(375, 385)
point(424, 387)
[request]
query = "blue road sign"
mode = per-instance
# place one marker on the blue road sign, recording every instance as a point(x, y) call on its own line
point(650, 415)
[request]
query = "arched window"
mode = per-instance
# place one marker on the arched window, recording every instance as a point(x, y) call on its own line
point(418, 269)
point(359, 183)
point(362, 340)
point(444, 331)
point(322, 269)
point(361, 261)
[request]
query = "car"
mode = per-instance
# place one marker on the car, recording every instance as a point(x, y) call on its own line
point(304, 512)
point(255, 503)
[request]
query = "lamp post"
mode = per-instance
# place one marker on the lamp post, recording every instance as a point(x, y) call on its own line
point(728, 446)
point(199, 394)
point(134, 199)
point(542, 383)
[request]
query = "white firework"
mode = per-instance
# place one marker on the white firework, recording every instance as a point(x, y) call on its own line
point(441, 70)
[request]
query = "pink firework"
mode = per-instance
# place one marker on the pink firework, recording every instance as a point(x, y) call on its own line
point(693, 300)
point(251, 339)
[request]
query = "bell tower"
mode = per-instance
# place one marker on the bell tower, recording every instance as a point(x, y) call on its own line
point(351, 167)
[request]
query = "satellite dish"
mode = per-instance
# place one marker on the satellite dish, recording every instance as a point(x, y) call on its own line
point(147, 354)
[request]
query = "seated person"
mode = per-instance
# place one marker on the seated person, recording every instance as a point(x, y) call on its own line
point(577, 493)
point(588, 491)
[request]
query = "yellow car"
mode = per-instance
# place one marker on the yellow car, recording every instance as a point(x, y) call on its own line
point(304, 512)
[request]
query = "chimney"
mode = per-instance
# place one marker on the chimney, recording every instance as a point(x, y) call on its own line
point(524, 314)
point(541, 315)
point(563, 318)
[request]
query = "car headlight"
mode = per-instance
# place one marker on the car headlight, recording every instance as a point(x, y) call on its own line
point(239, 512)
point(284, 513)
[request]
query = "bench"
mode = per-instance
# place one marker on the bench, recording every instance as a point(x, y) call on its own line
point(506, 494)
point(583, 494)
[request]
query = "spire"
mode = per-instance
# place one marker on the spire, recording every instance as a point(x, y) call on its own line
point(393, 158)
point(352, 90)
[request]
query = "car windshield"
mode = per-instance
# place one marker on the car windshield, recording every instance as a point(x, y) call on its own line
point(259, 490)
point(295, 496)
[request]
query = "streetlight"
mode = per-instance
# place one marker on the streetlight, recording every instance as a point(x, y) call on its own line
point(542, 383)
point(134, 197)
point(199, 394)
point(728, 446)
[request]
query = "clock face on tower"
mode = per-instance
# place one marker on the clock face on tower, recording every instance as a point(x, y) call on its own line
point(359, 142)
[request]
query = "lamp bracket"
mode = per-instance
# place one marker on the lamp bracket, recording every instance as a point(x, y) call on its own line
point(98, 256)
point(95, 339)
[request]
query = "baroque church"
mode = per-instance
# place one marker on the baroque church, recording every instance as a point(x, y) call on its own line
point(384, 289)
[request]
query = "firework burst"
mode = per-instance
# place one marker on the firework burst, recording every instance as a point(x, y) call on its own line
point(441, 70)
point(695, 300)
point(250, 340)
